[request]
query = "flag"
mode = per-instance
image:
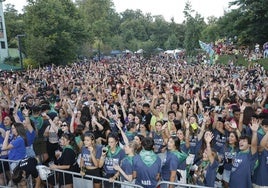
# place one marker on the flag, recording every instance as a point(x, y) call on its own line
point(208, 49)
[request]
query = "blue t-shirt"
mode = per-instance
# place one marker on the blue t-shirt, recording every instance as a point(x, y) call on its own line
point(229, 156)
point(219, 141)
point(112, 159)
point(130, 136)
point(127, 166)
point(207, 173)
point(19, 150)
point(146, 175)
point(158, 142)
point(182, 165)
point(171, 163)
point(242, 170)
point(260, 176)
point(193, 143)
point(86, 155)
point(211, 174)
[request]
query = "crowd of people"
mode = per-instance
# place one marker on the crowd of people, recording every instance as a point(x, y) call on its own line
point(137, 121)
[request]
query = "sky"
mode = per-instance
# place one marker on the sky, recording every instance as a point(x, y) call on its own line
point(167, 8)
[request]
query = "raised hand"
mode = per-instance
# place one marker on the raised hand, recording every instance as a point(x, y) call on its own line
point(208, 136)
point(254, 126)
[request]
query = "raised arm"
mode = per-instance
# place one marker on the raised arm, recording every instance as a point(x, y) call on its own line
point(254, 140)
point(208, 137)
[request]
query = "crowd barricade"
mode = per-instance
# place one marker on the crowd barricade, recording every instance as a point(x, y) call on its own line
point(178, 185)
point(87, 180)
point(49, 177)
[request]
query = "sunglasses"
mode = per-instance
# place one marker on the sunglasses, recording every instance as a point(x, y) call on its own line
point(64, 125)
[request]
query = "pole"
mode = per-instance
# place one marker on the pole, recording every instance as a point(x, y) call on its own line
point(19, 44)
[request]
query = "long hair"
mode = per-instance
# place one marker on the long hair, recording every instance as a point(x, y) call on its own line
point(91, 136)
point(237, 139)
point(71, 138)
point(177, 142)
point(21, 131)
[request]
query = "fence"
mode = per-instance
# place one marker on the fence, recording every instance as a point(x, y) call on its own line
point(49, 177)
point(178, 185)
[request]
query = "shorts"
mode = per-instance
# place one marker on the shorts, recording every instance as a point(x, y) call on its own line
point(226, 175)
point(94, 172)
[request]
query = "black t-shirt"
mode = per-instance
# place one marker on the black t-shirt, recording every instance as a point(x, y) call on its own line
point(29, 166)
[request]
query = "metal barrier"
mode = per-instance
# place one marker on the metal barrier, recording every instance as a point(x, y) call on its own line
point(78, 180)
point(87, 180)
point(179, 185)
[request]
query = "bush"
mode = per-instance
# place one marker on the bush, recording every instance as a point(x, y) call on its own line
point(14, 61)
point(30, 63)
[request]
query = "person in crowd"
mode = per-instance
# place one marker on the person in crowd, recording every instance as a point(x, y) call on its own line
point(17, 146)
point(159, 137)
point(138, 140)
point(205, 172)
point(174, 158)
point(244, 162)
point(147, 165)
point(90, 157)
point(230, 151)
point(126, 167)
point(66, 160)
point(261, 172)
point(111, 155)
point(51, 132)
point(183, 136)
point(23, 170)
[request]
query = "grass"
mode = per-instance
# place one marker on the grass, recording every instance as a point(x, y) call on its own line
point(241, 61)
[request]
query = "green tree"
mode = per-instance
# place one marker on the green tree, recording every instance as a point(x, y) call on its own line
point(194, 27)
point(251, 24)
point(54, 31)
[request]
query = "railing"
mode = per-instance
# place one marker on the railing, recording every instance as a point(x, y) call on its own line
point(80, 181)
point(178, 185)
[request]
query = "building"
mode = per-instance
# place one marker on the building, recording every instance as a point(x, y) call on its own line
point(3, 35)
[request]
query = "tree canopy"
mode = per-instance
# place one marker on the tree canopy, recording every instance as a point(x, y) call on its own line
point(60, 31)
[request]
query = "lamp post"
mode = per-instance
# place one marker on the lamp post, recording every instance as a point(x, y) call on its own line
point(19, 45)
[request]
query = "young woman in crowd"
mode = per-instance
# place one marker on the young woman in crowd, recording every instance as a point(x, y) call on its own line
point(230, 151)
point(206, 169)
point(90, 157)
point(66, 160)
point(159, 137)
point(184, 147)
point(126, 166)
point(138, 140)
point(173, 160)
point(17, 146)
point(111, 155)
point(51, 132)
